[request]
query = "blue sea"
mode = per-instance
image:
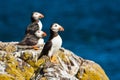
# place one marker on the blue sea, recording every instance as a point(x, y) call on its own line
point(92, 27)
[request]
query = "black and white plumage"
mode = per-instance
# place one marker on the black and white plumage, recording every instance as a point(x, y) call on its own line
point(40, 43)
point(35, 19)
point(30, 38)
point(54, 43)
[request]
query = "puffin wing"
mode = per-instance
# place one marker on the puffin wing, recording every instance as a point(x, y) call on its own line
point(32, 28)
point(29, 40)
point(32, 40)
point(46, 49)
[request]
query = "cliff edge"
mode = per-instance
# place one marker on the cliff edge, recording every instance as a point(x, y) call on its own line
point(20, 63)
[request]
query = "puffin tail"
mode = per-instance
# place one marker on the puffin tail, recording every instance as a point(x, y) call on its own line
point(21, 43)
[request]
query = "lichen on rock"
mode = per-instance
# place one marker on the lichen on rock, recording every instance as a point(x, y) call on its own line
point(20, 63)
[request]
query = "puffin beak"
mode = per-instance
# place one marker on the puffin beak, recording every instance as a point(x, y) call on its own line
point(61, 29)
point(41, 16)
point(44, 34)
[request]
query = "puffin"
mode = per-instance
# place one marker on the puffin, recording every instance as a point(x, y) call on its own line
point(36, 24)
point(54, 42)
point(40, 43)
point(30, 38)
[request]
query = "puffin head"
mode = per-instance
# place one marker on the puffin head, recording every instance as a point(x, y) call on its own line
point(56, 27)
point(40, 34)
point(37, 15)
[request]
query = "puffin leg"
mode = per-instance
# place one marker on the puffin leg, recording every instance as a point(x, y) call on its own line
point(53, 59)
point(35, 47)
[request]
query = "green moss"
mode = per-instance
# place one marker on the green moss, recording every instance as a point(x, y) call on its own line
point(14, 72)
point(28, 72)
point(64, 57)
point(23, 72)
point(10, 48)
point(27, 55)
point(36, 64)
point(92, 72)
point(40, 62)
point(6, 77)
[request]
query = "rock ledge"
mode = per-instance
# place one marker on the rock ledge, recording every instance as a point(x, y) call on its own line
point(20, 63)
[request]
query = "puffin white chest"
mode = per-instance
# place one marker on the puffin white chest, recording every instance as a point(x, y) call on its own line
point(40, 41)
point(40, 25)
point(56, 42)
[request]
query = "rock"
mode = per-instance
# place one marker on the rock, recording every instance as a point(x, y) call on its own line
point(20, 63)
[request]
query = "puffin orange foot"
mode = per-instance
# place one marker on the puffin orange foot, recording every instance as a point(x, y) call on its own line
point(35, 47)
point(53, 59)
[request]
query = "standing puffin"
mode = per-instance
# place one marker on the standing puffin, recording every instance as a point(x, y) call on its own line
point(54, 43)
point(36, 23)
point(30, 38)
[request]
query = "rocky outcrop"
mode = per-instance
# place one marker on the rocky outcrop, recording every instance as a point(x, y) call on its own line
point(20, 63)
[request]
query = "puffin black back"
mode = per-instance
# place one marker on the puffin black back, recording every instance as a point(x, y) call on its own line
point(46, 49)
point(32, 28)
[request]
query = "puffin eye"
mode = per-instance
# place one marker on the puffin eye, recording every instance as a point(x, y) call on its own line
point(55, 25)
point(36, 14)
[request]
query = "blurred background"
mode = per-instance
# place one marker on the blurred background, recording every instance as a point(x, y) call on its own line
point(92, 27)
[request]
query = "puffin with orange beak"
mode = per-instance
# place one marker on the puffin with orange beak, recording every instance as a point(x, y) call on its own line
point(31, 39)
point(36, 24)
point(54, 43)
point(41, 42)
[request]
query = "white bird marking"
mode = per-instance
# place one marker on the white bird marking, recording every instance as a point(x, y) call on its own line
point(40, 25)
point(57, 43)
